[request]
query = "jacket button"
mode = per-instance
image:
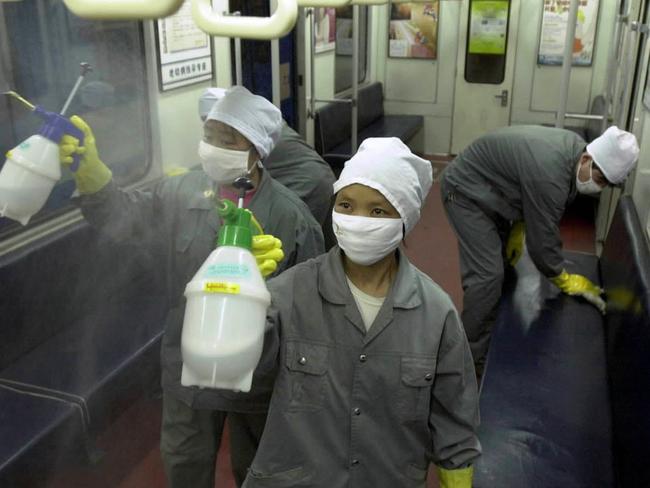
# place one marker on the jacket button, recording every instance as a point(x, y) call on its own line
point(302, 360)
point(428, 377)
point(363, 358)
point(354, 462)
point(357, 411)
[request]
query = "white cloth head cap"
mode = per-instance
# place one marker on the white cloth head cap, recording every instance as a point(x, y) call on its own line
point(615, 152)
point(208, 98)
point(257, 119)
point(388, 165)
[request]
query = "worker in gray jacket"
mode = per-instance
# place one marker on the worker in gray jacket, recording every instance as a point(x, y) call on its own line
point(375, 376)
point(178, 218)
point(292, 162)
point(511, 186)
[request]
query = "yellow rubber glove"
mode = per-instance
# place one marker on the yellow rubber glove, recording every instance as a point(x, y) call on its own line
point(268, 253)
point(455, 478)
point(515, 244)
point(92, 175)
point(578, 285)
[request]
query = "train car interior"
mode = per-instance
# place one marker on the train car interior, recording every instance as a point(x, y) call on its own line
point(97, 244)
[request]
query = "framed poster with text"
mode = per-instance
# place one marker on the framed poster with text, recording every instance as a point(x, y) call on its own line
point(184, 50)
point(553, 32)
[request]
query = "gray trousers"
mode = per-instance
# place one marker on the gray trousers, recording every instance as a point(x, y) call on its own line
point(481, 247)
point(190, 440)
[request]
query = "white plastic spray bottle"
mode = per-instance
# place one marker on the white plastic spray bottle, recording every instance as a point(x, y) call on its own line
point(32, 168)
point(225, 314)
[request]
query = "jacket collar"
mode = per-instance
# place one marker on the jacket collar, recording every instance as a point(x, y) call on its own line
point(333, 287)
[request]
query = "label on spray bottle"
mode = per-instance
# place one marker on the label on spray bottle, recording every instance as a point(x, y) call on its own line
point(221, 287)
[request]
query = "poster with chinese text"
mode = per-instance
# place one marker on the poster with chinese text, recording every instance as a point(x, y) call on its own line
point(553, 32)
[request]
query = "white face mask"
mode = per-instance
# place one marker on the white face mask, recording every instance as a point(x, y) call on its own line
point(223, 165)
point(365, 240)
point(589, 187)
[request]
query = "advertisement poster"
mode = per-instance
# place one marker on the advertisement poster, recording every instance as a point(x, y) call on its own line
point(488, 28)
point(553, 32)
point(344, 31)
point(325, 32)
point(414, 30)
point(184, 50)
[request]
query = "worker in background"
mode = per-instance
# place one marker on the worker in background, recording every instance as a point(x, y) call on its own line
point(376, 377)
point(511, 186)
point(178, 216)
point(292, 162)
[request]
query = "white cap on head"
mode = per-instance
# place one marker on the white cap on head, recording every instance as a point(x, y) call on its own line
point(615, 152)
point(257, 119)
point(388, 165)
point(208, 98)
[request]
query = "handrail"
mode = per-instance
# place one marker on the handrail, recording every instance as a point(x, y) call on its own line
point(123, 9)
point(333, 100)
point(370, 2)
point(567, 63)
point(355, 79)
point(323, 3)
point(262, 28)
point(585, 116)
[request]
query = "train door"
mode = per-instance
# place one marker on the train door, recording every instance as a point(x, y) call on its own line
point(485, 68)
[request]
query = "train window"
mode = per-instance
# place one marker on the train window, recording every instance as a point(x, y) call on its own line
point(41, 47)
point(343, 62)
point(487, 37)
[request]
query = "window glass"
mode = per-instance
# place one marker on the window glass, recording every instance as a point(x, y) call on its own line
point(343, 62)
point(487, 36)
point(43, 45)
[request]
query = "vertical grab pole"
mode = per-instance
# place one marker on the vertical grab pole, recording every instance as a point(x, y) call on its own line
point(355, 76)
point(238, 62)
point(275, 71)
point(275, 66)
point(238, 68)
point(312, 67)
point(611, 66)
point(567, 63)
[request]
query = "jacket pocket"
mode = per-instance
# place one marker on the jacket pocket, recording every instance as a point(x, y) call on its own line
point(417, 377)
point(307, 365)
point(282, 479)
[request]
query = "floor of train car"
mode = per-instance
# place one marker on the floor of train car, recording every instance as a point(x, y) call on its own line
point(132, 457)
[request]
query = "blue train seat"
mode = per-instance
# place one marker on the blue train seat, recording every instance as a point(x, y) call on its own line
point(29, 427)
point(333, 125)
point(565, 394)
point(83, 319)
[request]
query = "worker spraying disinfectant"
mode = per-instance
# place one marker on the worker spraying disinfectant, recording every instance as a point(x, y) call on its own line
point(32, 168)
point(225, 315)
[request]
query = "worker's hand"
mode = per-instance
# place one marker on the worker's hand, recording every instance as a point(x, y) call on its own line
point(455, 478)
point(268, 253)
point(578, 285)
point(92, 175)
point(515, 244)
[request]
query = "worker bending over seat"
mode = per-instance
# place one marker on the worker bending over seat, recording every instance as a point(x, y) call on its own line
point(514, 185)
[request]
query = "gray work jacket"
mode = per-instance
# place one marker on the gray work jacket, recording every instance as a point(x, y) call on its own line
point(523, 172)
point(354, 409)
point(178, 220)
point(296, 165)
